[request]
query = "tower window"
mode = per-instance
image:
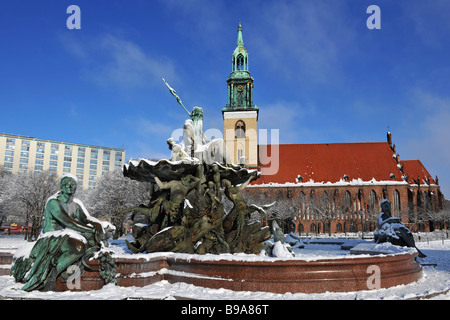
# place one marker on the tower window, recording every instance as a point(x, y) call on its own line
point(240, 154)
point(240, 129)
point(240, 62)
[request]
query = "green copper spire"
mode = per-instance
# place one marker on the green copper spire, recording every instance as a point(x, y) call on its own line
point(240, 82)
point(240, 55)
point(240, 40)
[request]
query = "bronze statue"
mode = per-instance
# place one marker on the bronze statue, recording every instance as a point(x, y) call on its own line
point(186, 214)
point(68, 237)
point(392, 229)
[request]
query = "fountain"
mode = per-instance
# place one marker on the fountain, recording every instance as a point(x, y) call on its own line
point(190, 236)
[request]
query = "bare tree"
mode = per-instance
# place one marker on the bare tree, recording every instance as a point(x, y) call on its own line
point(284, 205)
point(25, 196)
point(114, 193)
point(326, 208)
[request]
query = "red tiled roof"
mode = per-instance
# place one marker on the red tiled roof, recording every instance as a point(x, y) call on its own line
point(414, 169)
point(329, 162)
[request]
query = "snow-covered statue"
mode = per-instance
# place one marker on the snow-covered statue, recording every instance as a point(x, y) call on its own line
point(68, 238)
point(193, 135)
point(186, 212)
point(196, 145)
point(278, 248)
point(392, 229)
point(178, 153)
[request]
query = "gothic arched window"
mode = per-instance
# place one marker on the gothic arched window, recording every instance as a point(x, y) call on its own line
point(240, 129)
point(372, 199)
point(347, 200)
point(240, 62)
point(396, 203)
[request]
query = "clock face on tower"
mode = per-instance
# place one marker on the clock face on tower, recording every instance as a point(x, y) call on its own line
point(240, 88)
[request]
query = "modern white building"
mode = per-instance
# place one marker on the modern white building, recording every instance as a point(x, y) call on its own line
point(19, 153)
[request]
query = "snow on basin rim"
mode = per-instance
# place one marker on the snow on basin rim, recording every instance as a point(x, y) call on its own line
point(385, 249)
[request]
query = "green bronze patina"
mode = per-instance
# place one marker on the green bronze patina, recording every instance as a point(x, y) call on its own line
point(68, 237)
point(240, 82)
point(186, 213)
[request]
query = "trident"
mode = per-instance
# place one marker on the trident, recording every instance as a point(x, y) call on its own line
point(174, 93)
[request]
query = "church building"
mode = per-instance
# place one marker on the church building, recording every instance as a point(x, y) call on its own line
point(328, 187)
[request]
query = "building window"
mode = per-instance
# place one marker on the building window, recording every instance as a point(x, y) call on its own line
point(9, 159)
point(240, 154)
point(40, 147)
point(54, 158)
point(106, 155)
point(54, 149)
point(53, 163)
point(52, 169)
point(240, 129)
point(81, 152)
point(68, 159)
point(67, 164)
point(68, 151)
point(396, 203)
point(23, 160)
point(10, 147)
point(94, 153)
point(39, 161)
point(302, 201)
point(347, 200)
point(372, 199)
point(25, 145)
point(240, 62)
point(38, 168)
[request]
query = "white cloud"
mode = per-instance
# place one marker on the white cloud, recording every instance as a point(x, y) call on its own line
point(288, 118)
point(431, 131)
point(426, 135)
point(111, 61)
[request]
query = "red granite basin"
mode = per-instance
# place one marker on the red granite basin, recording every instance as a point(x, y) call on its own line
point(278, 276)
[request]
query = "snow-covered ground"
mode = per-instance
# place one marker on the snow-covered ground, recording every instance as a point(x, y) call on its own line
point(435, 283)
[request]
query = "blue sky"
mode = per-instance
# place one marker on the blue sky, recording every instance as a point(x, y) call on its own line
point(321, 75)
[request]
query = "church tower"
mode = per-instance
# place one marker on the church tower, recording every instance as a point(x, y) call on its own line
point(240, 115)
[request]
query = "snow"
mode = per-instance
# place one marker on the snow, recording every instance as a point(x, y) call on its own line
point(341, 182)
point(435, 283)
